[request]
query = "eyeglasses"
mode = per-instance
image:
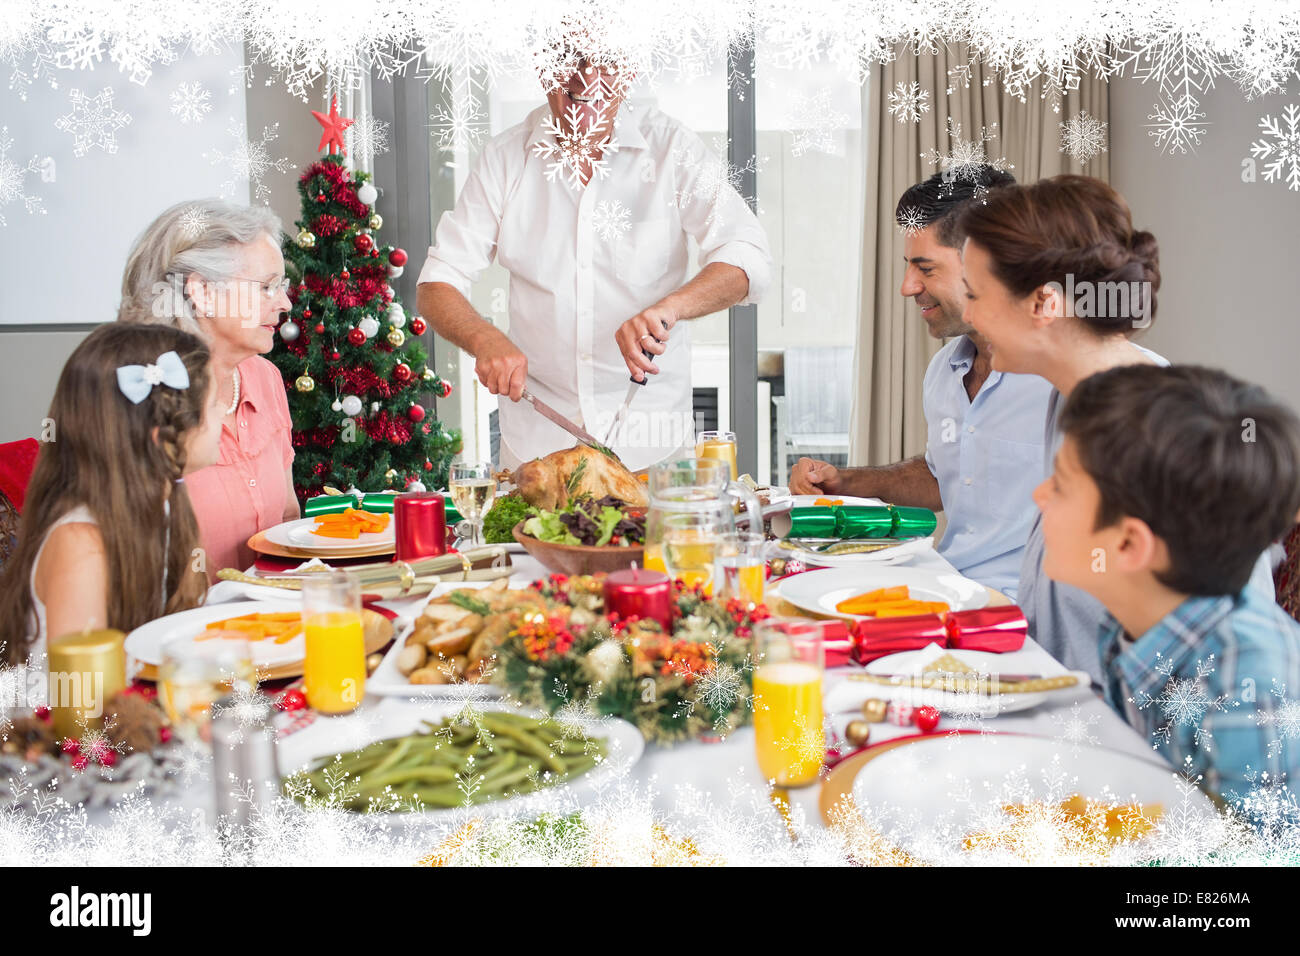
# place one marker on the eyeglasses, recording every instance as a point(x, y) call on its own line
point(270, 289)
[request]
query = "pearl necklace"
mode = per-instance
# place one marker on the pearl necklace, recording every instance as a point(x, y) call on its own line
point(234, 378)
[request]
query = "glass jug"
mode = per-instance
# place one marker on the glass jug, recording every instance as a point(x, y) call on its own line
point(692, 503)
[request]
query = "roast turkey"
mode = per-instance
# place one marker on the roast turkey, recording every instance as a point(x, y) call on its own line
point(545, 482)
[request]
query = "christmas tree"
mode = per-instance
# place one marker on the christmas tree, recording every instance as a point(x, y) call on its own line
point(353, 374)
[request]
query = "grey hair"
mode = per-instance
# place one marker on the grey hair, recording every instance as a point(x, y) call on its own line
point(201, 236)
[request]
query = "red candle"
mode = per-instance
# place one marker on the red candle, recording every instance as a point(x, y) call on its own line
point(637, 592)
point(420, 522)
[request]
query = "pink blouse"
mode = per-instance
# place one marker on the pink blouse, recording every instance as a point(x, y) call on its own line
point(245, 491)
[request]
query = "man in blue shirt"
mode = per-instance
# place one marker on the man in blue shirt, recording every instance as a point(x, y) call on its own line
point(984, 447)
point(1168, 485)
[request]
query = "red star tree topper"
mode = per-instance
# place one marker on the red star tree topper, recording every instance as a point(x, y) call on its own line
point(352, 363)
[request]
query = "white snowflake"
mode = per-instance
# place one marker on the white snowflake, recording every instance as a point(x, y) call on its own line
point(1178, 126)
point(193, 222)
point(1075, 727)
point(12, 176)
point(1183, 702)
point(911, 220)
point(1083, 137)
point(576, 154)
point(1280, 148)
point(246, 711)
point(1284, 719)
point(190, 102)
point(93, 122)
point(908, 101)
point(250, 160)
point(367, 137)
point(463, 127)
point(611, 220)
point(815, 125)
point(713, 176)
point(805, 746)
point(1188, 833)
point(965, 160)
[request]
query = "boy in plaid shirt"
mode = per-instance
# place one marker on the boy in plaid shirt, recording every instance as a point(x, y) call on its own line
point(1168, 486)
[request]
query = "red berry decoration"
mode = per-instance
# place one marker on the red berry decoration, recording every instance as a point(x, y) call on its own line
point(402, 372)
point(418, 326)
point(356, 337)
point(320, 328)
point(926, 718)
point(164, 735)
point(70, 746)
point(397, 257)
point(362, 243)
point(291, 700)
point(80, 762)
point(42, 713)
point(415, 413)
point(108, 758)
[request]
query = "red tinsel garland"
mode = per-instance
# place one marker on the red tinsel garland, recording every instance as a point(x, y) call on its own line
point(326, 225)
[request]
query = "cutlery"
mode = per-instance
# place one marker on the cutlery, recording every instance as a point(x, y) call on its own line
point(576, 431)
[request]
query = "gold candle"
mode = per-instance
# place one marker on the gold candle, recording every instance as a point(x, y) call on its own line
point(86, 669)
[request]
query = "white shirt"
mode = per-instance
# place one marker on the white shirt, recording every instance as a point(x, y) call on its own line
point(987, 455)
point(574, 281)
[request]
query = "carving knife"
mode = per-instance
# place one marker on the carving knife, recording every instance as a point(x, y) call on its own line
point(576, 431)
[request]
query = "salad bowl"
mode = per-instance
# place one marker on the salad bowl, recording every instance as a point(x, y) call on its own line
point(579, 558)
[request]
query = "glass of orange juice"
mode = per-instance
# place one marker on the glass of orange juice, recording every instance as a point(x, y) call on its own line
point(334, 671)
point(719, 445)
point(788, 732)
point(740, 567)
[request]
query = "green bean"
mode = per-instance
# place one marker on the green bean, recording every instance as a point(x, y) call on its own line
point(529, 743)
point(499, 767)
point(498, 785)
point(394, 777)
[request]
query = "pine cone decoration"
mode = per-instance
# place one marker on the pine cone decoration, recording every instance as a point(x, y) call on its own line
point(27, 737)
point(133, 722)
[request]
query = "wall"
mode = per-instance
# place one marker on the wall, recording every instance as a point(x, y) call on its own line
point(1228, 249)
point(63, 270)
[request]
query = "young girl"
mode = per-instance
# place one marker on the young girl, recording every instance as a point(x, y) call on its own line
point(108, 535)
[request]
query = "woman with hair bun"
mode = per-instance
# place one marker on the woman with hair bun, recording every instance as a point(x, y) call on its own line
point(1057, 281)
point(214, 269)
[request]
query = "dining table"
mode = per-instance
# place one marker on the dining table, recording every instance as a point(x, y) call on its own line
point(716, 767)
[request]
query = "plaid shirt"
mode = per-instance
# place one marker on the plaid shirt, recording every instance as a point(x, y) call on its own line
point(1210, 683)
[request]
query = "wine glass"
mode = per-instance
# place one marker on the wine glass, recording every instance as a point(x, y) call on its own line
point(689, 539)
point(473, 489)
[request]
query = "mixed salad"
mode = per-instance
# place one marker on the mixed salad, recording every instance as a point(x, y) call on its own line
point(590, 521)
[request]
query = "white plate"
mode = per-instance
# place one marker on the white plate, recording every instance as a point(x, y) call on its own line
point(388, 681)
point(395, 718)
point(810, 501)
point(298, 534)
point(144, 644)
point(897, 554)
point(927, 795)
point(820, 591)
point(987, 665)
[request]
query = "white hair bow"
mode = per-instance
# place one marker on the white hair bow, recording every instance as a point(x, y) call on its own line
point(137, 381)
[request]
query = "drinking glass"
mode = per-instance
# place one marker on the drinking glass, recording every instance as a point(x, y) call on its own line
point(473, 490)
point(334, 669)
point(788, 733)
point(719, 445)
point(194, 674)
point(740, 567)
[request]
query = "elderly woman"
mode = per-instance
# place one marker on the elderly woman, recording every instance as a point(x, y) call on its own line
point(215, 269)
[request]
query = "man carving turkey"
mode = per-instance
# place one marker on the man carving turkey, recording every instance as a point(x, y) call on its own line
point(586, 311)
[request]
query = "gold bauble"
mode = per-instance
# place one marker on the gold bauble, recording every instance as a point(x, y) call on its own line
point(305, 383)
point(376, 221)
point(390, 474)
point(874, 709)
point(396, 337)
point(306, 239)
point(858, 732)
point(429, 375)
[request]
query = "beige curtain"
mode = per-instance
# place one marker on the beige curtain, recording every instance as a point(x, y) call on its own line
point(893, 347)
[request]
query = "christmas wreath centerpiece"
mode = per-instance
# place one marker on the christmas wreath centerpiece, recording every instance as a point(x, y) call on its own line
point(571, 659)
